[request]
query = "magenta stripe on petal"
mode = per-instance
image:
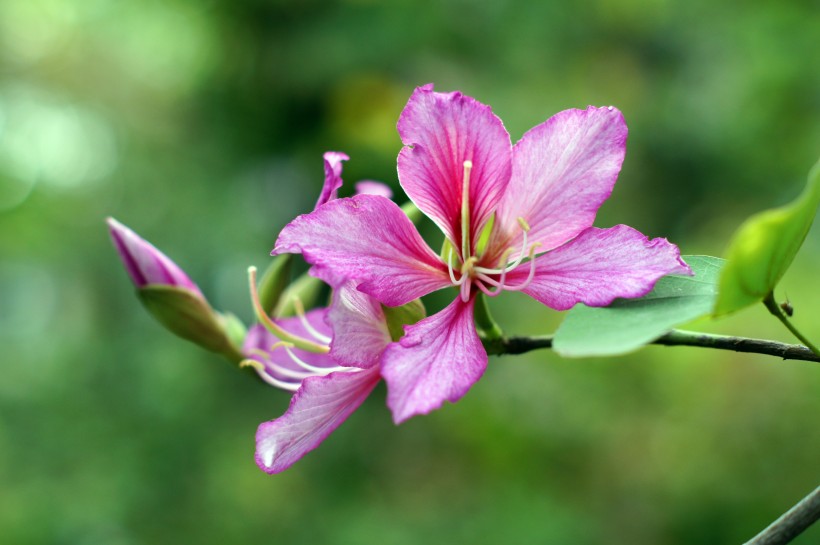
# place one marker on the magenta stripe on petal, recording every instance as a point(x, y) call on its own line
point(369, 240)
point(437, 360)
point(440, 131)
point(599, 266)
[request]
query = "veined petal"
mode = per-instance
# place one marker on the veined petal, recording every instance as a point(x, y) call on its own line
point(369, 240)
point(316, 409)
point(437, 360)
point(563, 170)
point(260, 339)
point(360, 332)
point(333, 176)
point(440, 131)
point(598, 266)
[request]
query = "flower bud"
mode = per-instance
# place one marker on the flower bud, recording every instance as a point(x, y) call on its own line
point(172, 298)
point(144, 263)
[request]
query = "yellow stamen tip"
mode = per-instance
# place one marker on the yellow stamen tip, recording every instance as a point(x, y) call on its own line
point(281, 343)
point(252, 363)
point(523, 223)
point(468, 164)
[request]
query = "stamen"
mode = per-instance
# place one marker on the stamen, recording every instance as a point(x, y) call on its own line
point(450, 269)
point(305, 365)
point(503, 259)
point(525, 227)
point(532, 270)
point(263, 374)
point(274, 328)
point(465, 211)
point(300, 312)
point(500, 284)
point(269, 363)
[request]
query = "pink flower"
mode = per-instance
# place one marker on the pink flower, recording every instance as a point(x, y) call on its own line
point(515, 218)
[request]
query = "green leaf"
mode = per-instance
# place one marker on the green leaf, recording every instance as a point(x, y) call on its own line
point(628, 324)
point(763, 247)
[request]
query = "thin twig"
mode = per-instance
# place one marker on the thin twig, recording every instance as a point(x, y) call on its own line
point(778, 313)
point(676, 337)
point(792, 523)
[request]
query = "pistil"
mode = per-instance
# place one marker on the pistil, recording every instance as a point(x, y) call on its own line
point(465, 212)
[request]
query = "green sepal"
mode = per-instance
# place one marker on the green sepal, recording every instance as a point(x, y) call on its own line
point(398, 317)
point(449, 251)
point(306, 289)
point(275, 281)
point(234, 328)
point(187, 315)
point(484, 237)
point(762, 249)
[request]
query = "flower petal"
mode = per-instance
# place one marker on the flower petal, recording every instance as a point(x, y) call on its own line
point(372, 187)
point(440, 131)
point(360, 332)
point(438, 359)
point(333, 176)
point(316, 409)
point(563, 170)
point(598, 266)
point(144, 263)
point(369, 240)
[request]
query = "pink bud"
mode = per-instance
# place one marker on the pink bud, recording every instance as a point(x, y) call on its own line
point(145, 264)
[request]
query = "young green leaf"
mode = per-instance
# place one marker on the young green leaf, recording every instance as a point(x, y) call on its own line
point(763, 247)
point(628, 324)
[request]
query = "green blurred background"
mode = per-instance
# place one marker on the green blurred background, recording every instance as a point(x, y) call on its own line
point(201, 125)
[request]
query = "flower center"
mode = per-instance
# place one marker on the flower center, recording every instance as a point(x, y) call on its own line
point(490, 280)
point(288, 377)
